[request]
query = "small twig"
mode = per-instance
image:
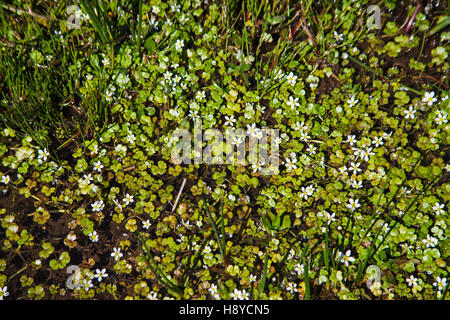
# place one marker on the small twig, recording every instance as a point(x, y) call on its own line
point(129, 169)
point(413, 17)
point(179, 194)
point(25, 12)
point(366, 67)
point(69, 141)
point(436, 80)
point(18, 272)
point(310, 36)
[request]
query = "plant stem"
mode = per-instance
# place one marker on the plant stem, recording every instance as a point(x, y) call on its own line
point(219, 241)
point(264, 277)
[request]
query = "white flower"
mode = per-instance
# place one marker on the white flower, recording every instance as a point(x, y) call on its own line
point(153, 23)
point(183, 19)
point(378, 141)
point(156, 10)
point(304, 136)
point(236, 294)
point(440, 118)
point(310, 190)
point(440, 283)
point(116, 254)
point(93, 236)
point(343, 170)
point(6, 179)
point(87, 284)
point(251, 278)
point(356, 152)
point(351, 139)
point(293, 102)
point(244, 295)
point(330, 217)
point(95, 150)
point(429, 98)
point(351, 102)
point(438, 208)
point(131, 138)
point(291, 79)
point(146, 224)
point(355, 167)
point(409, 114)
point(258, 166)
point(100, 274)
point(229, 121)
point(200, 95)
point(3, 292)
point(366, 153)
point(207, 249)
point(236, 141)
point(88, 178)
point(252, 129)
point(110, 93)
point(258, 134)
point(128, 199)
point(299, 268)
point(290, 164)
point(412, 281)
point(260, 108)
point(430, 241)
point(291, 287)
point(152, 296)
point(311, 149)
point(278, 74)
point(179, 44)
point(98, 166)
point(356, 184)
point(353, 204)
point(300, 126)
point(177, 78)
point(167, 75)
point(193, 114)
point(97, 205)
point(213, 290)
point(42, 155)
point(346, 258)
point(303, 194)
point(338, 36)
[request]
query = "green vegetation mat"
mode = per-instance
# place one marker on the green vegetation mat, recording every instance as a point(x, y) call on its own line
point(94, 204)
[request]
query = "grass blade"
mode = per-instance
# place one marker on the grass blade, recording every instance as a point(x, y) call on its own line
point(262, 285)
point(219, 241)
point(159, 274)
